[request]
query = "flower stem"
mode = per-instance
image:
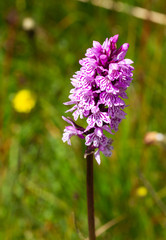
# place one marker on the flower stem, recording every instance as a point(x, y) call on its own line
point(90, 197)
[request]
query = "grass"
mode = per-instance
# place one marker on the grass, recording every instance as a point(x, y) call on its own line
point(42, 180)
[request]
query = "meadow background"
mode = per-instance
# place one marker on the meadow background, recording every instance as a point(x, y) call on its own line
point(43, 180)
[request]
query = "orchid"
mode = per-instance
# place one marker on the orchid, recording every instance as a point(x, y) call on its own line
point(99, 89)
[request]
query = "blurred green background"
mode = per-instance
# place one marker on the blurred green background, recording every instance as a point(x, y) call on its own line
point(43, 180)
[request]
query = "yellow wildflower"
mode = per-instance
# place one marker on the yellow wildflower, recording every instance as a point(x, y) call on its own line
point(24, 101)
point(141, 191)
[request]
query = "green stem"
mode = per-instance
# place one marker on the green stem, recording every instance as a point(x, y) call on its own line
point(90, 197)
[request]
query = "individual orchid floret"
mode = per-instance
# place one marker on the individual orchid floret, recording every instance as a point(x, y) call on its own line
point(99, 89)
point(98, 140)
point(72, 130)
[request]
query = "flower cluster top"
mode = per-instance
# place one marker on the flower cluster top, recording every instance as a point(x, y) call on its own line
point(99, 87)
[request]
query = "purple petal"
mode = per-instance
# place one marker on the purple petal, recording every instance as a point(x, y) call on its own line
point(97, 45)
